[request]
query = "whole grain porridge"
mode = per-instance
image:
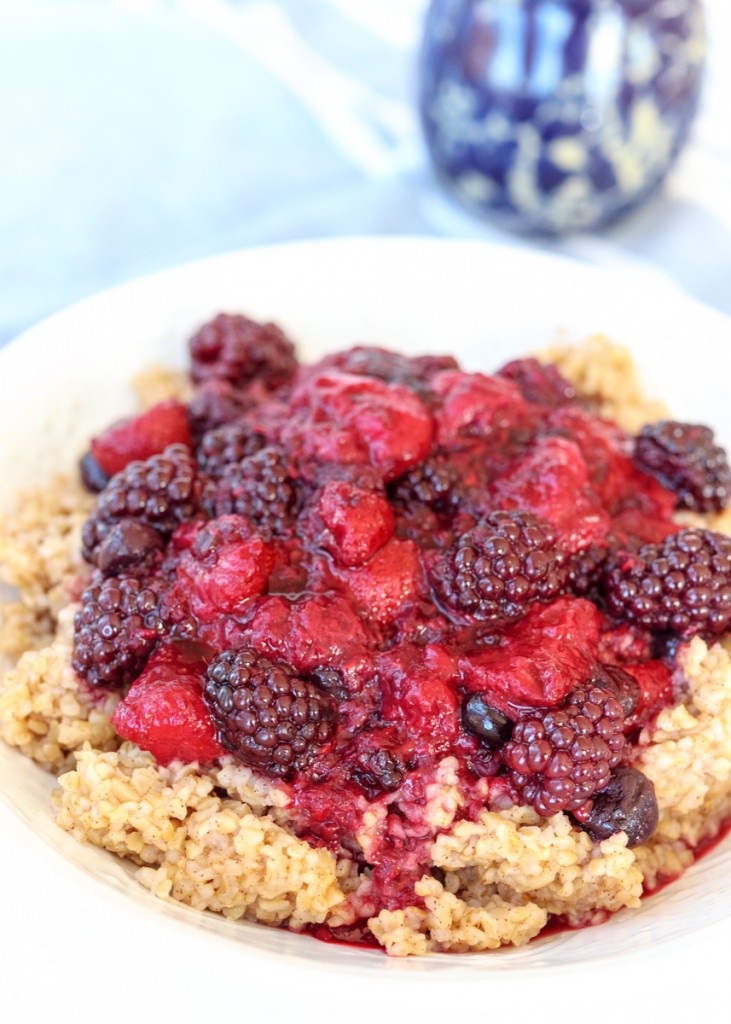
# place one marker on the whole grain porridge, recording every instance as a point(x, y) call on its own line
point(379, 649)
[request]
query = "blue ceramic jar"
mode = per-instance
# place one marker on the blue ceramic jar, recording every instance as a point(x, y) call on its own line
point(554, 116)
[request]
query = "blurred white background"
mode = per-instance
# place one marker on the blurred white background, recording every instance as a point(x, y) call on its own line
point(136, 134)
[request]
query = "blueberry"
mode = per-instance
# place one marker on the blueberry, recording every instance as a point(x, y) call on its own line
point(93, 476)
point(129, 545)
point(627, 804)
point(491, 726)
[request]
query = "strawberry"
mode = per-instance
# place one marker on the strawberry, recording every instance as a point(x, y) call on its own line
point(165, 713)
point(142, 436)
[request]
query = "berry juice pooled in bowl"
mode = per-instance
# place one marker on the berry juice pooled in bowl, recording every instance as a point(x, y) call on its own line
point(378, 649)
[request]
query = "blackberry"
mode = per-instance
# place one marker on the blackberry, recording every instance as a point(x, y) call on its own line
point(116, 629)
point(433, 483)
point(540, 383)
point(684, 458)
point(558, 759)
point(626, 804)
point(214, 404)
point(585, 571)
point(258, 488)
point(496, 569)
point(682, 586)
point(621, 685)
point(231, 347)
point(270, 718)
point(379, 771)
point(225, 446)
point(161, 492)
point(391, 367)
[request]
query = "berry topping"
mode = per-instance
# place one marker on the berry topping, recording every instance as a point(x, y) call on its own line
point(539, 383)
point(379, 770)
point(359, 522)
point(491, 726)
point(434, 482)
point(621, 685)
point(216, 403)
point(161, 492)
point(116, 630)
point(682, 585)
point(472, 405)
point(129, 546)
point(225, 446)
point(138, 438)
point(270, 718)
point(93, 476)
point(233, 348)
point(258, 488)
point(390, 367)
point(626, 804)
point(559, 759)
point(495, 570)
point(685, 459)
point(223, 564)
point(165, 713)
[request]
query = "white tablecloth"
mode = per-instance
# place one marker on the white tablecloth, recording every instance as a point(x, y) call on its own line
point(137, 134)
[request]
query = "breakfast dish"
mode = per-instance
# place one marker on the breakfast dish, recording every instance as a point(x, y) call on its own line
point(379, 649)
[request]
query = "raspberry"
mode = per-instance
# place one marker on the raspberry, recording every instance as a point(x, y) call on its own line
point(116, 630)
point(231, 347)
point(269, 717)
point(682, 585)
point(685, 460)
point(141, 436)
point(161, 492)
point(539, 383)
point(495, 570)
point(258, 488)
point(225, 446)
point(433, 482)
point(559, 759)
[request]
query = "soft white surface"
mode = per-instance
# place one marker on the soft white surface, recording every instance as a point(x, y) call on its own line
point(87, 920)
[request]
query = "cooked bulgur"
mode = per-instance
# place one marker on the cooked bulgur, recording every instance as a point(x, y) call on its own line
point(221, 839)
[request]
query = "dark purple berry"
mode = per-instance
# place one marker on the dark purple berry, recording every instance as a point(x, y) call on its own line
point(681, 586)
point(496, 569)
point(626, 804)
point(92, 475)
point(231, 347)
point(540, 383)
point(621, 685)
point(116, 629)
point(379, 771)
point(270, 718)
point(491, 726)
point(130, 546)
point(685, 459)
point(161, 492)
point(434, 483)
point(413, 372)
point(260, 489)
point(215, 404)
point(586, 571)
point(559, 758)
point(225, 446)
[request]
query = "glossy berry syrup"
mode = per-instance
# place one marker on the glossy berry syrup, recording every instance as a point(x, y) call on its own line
point(402, 592)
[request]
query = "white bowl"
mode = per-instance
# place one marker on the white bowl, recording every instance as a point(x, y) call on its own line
point(68, 376)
